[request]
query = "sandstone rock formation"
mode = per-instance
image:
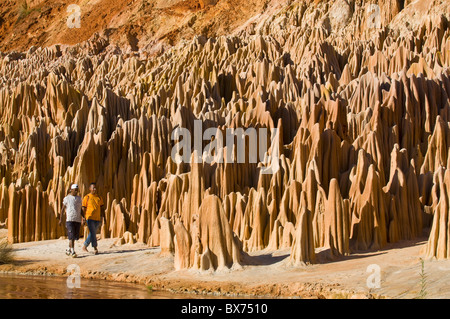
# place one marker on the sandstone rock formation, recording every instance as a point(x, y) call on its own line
point(362, 111)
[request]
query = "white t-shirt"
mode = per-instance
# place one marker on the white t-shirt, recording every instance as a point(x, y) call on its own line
point(73, 208)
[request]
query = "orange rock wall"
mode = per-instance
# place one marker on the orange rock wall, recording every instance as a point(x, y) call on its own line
point(363, 116)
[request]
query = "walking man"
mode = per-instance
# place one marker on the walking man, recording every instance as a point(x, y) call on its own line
point(72, 207)
point(93, 209)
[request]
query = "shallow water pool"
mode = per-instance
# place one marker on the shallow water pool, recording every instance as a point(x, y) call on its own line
point(14, 286)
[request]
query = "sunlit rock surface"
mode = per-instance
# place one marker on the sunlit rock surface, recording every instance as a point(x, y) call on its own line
point(362, 109)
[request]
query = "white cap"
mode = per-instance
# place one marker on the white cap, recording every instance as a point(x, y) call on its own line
point(74, 186)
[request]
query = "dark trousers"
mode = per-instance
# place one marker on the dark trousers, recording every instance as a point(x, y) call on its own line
point(92, 225)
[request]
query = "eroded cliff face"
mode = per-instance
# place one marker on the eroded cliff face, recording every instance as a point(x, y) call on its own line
point(362, 110)
point(151, 25)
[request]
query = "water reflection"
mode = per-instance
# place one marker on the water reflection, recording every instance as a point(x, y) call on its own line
point(55, 287)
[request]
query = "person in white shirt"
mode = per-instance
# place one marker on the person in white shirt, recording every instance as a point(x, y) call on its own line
point(71, 206)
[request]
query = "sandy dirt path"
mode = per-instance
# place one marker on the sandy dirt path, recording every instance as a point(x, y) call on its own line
point(266, 273)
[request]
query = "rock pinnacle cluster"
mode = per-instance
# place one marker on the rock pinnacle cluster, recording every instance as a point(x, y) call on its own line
point(361, 103)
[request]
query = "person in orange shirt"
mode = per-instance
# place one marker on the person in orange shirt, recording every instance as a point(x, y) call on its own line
point(93, 209)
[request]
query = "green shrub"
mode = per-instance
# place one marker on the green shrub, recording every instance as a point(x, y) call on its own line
point(6, 252)
point(23, 10)
point(423, 281)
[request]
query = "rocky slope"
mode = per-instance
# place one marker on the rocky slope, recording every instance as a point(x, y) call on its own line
point(150, 25)
point(361, 101)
